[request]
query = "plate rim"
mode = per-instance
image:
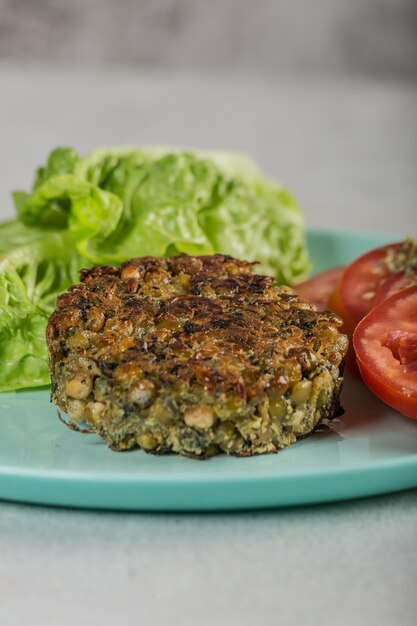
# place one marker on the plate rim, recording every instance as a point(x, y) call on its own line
point(108, 479)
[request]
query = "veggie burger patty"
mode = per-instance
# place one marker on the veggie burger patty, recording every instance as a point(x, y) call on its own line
point(193, 355)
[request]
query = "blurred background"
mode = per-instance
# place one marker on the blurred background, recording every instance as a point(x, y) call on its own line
point(322, 94)
point(368, 37)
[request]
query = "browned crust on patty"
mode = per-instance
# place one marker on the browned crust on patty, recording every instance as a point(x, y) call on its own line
point(193, 355)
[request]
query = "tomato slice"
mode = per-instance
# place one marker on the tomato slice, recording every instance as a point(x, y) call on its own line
point(356, 290)
point(319, 288)
point(385, 342)
point(393, 284)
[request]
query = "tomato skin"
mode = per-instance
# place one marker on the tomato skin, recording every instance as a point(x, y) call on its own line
point(335, 304)
point(319, 288)
point(388, 394)
point(355, 293)
point(385, 343)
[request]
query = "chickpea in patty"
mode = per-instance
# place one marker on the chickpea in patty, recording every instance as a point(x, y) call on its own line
point(195, 356)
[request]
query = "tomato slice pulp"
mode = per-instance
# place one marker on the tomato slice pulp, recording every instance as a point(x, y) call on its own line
point(355, 293)
point(393, 284)
point(385, 343)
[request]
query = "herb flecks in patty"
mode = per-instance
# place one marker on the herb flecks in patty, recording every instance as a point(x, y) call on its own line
point(193, 355)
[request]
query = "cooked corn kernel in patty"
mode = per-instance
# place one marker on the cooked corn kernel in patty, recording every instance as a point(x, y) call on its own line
point(193, 355)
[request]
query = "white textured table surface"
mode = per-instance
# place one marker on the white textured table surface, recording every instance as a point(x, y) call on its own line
point(348, 151)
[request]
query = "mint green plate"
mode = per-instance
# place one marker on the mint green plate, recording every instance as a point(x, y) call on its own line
point(370, 450)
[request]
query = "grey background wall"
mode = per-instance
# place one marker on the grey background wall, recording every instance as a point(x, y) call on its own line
point(322, 93)
point(367, 37)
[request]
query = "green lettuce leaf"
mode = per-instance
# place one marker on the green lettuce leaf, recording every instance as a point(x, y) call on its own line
point(119, 203)
point(14, 234)
point(31, 276)
point(125, 202)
